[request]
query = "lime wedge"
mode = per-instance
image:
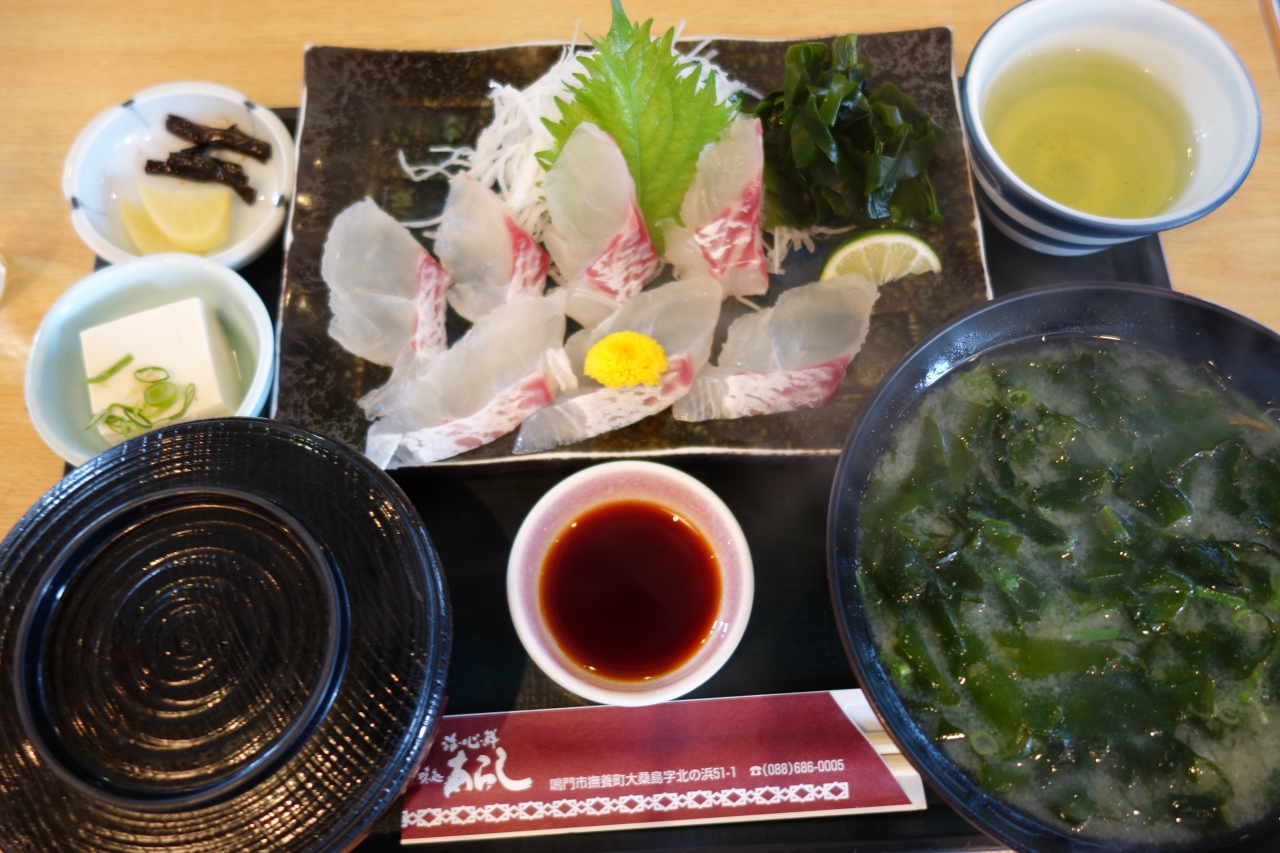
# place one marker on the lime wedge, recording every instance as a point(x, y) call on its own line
point(146, 237)
point(882, 256)
point(192, 217)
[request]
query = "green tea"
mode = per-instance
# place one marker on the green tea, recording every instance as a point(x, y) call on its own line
point(1093, 131)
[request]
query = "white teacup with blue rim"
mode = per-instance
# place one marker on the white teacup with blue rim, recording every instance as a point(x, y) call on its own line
point(1170, 45)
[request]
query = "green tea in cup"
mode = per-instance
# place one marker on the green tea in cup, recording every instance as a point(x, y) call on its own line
point(1093, 131)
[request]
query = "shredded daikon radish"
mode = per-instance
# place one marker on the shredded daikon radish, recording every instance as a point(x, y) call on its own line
point(505, 153)
point(726, 86)
point(504, 156)
point(787, 239)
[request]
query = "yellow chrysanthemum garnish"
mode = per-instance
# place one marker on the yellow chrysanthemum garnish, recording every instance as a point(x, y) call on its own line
point(623, 359)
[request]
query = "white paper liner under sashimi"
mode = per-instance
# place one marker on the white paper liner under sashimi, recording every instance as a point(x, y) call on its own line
point(788, 357)
point(597, 236)
point(720, 234)
point(490, 257)
point(509, 364)
point(386, 292)
point(681, 316)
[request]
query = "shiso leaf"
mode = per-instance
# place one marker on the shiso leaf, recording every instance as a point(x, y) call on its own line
point(647, 98)
point(835, 148)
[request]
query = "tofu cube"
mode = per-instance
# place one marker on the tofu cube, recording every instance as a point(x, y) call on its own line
point(184, 338)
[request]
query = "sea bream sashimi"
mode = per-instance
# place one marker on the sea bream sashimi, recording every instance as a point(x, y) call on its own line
point(509, 364)
point(788, 357)
point(720, 234)
point(680, 316)
point(597, 236)
point(491, 258)
point(386, 292)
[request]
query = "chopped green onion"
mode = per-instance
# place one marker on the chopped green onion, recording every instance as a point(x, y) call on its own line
point(122, 426)
point(150, 374)
point(1252, 621)
point(1018, 397)
point(984, 743)
point(136, 416)
point(160, 395)
point(187, 396)
point(902, 671)
point(110, 371)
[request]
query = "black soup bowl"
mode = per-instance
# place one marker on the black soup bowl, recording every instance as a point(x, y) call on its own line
point(1245, 354)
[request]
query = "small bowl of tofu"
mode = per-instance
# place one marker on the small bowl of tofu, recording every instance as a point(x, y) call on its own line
point(143, 344)
point(181, 167)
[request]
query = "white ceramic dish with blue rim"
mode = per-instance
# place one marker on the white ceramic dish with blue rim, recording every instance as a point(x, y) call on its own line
point(106, 164)
point(56, 399)
point(1175, 47)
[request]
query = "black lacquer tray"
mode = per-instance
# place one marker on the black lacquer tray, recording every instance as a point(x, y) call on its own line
point(792, 645)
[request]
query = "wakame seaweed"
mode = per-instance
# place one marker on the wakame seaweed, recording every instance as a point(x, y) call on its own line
point(1072, 564)
point(835, 148)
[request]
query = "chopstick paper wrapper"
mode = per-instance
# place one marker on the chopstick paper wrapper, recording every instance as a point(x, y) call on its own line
point(699, 761)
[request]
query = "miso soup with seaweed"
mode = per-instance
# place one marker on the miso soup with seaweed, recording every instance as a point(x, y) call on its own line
point(1070, 556)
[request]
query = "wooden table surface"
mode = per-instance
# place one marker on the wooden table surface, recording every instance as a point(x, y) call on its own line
point(64, 61)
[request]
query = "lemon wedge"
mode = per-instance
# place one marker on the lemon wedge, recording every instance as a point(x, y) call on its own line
point(146, 237)
point(193, 218)
point(882, 256)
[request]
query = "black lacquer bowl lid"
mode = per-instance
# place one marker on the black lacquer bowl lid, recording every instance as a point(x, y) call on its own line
point(220, 636)
point(1245, 352)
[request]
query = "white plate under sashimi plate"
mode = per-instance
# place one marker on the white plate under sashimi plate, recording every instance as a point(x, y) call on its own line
point(363, 110)
point(106, 164)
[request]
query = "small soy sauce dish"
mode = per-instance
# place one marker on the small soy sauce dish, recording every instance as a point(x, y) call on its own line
point(1244, 352)
point(630, 583)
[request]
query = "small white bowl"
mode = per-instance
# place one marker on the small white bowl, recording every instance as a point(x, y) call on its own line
point(106, 164)
point(1175, 47)
point(615, 482)
point(56, 398)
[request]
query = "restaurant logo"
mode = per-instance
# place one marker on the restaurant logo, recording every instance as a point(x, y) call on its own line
point(479, 779)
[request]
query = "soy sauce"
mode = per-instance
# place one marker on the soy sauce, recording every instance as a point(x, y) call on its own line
point(630, 590)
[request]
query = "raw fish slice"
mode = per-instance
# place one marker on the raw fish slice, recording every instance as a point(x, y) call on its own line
point(429, 338)
point(386, 292)
point(583, 414)
point(504, 413)
point(597, 235)
point(743, 395)
point(791, 356)
point(720, 236)
point(507, 365)
point(491, 258)
point(681, 316)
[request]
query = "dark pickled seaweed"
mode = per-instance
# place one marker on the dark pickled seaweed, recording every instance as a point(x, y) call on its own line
point(231, 138)
point(1071, 558)
point(195, 164)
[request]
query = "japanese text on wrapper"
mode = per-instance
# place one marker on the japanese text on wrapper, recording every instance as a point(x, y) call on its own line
point(644, 777)
point(489, 769)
